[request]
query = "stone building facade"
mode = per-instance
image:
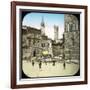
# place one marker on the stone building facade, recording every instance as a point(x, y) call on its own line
point(31, 42)
point(57, 44)
point(71, 38)
point(57, 49)
point(35, 43)
point(56, 29)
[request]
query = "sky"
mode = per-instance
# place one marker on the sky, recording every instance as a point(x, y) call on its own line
point(50, 19)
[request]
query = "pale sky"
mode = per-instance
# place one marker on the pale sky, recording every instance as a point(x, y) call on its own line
point(50, 19)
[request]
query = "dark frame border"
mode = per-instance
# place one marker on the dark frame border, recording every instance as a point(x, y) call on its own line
point(13, 44)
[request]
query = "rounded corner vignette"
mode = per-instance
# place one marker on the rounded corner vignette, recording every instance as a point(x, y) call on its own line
point(50, 44)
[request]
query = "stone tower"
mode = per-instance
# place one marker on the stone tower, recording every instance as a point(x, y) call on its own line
point(71, 37)
point(42, 27)
point(71, 23)
point(56, 33)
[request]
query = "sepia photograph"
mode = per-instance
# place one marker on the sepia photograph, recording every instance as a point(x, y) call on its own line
point(50, 44)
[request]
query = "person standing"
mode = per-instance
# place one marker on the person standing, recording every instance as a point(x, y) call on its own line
point(40, 64)
point(64, 65)
point(53, 63)
point(32, 63)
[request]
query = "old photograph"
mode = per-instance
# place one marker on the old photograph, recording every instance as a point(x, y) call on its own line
point(50, 44)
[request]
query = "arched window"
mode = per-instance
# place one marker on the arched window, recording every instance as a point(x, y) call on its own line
point(74, 26)
point(70, 27)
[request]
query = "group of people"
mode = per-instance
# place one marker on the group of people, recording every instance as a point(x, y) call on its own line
point(53, 63)
point(40, 64)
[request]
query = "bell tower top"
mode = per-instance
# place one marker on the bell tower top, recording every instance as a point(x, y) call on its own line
point(56, 29)
point(42, 26)
point(42, 22)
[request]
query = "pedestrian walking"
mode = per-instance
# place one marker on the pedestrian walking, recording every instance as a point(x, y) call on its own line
point(53, 63)
point(64, 65)
point(40, 65)
point(32, 63)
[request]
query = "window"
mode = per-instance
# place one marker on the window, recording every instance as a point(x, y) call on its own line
point(43, 44)
point(34, 53)
point(48, 44)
